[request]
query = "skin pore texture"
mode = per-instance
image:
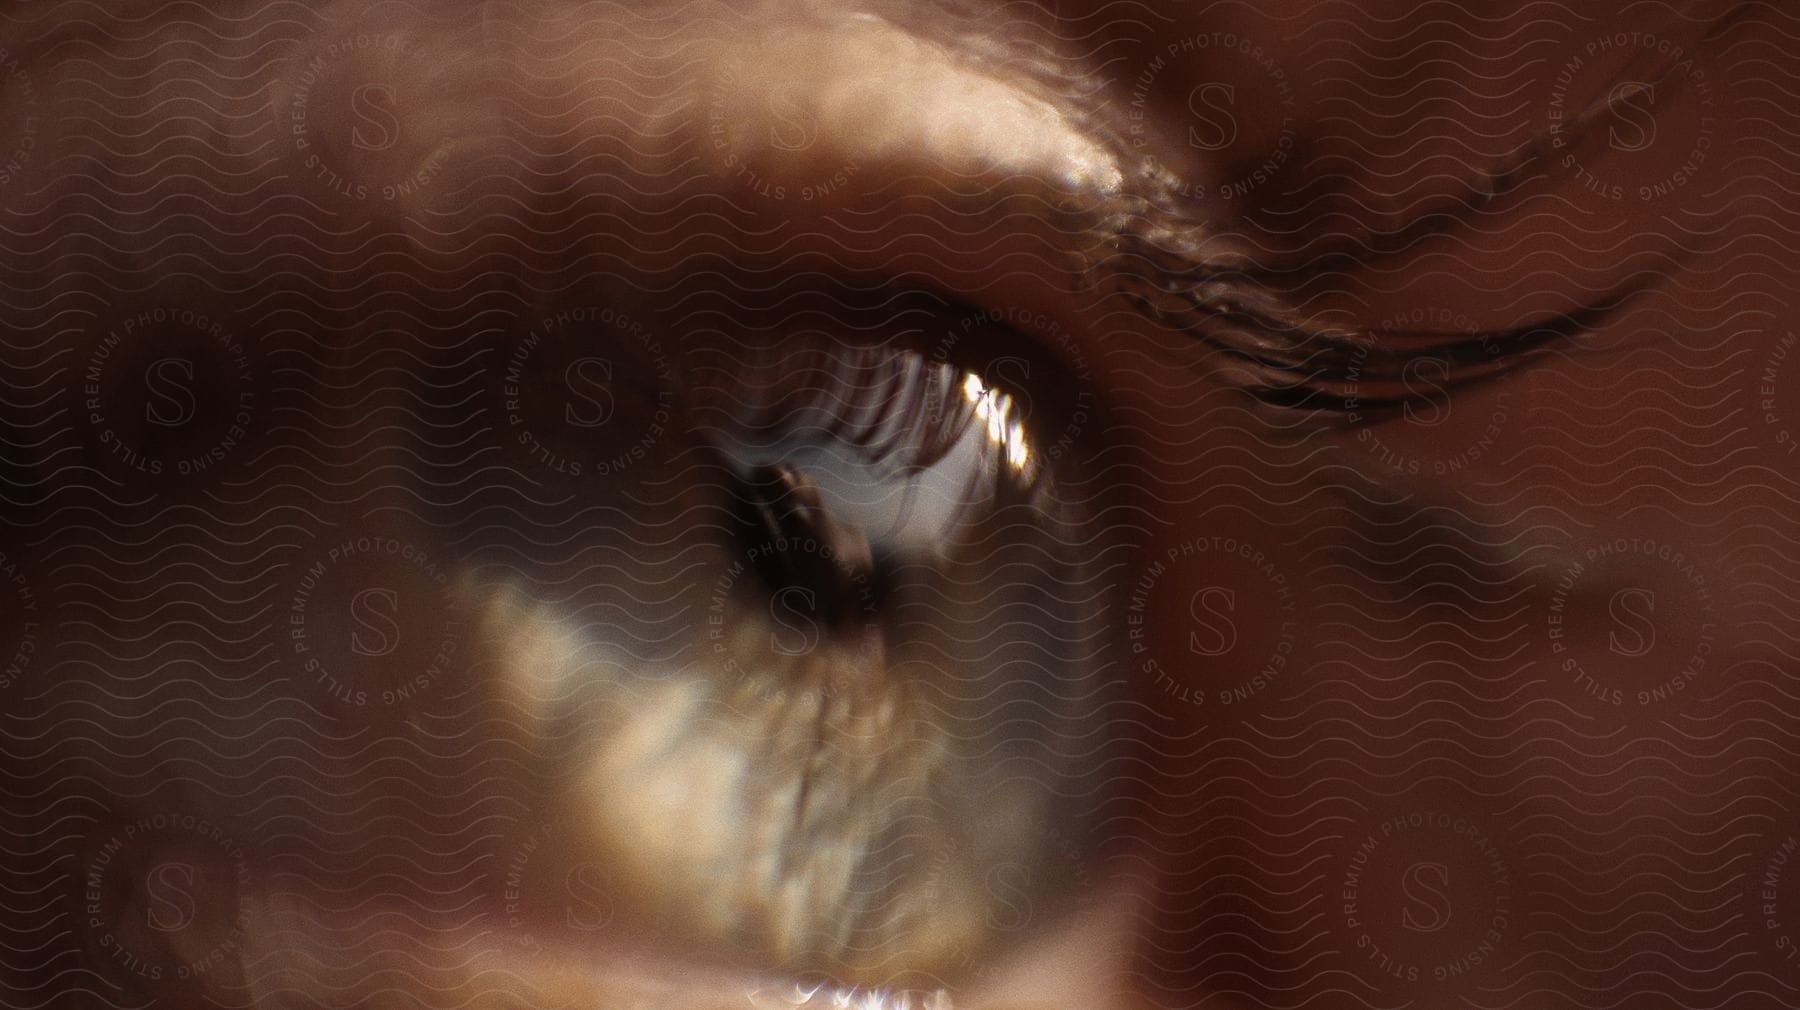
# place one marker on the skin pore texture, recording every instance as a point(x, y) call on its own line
point(449, 657)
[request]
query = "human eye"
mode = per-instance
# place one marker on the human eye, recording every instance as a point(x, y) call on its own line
point(766, 650)
point(868, 757)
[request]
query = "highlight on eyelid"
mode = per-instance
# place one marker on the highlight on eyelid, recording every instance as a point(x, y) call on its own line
point(874, 91)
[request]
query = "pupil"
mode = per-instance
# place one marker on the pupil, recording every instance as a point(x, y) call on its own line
point(819, 566)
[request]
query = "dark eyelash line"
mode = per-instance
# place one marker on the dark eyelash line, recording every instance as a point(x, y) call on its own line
point(1297, 362)
point(1165, 266)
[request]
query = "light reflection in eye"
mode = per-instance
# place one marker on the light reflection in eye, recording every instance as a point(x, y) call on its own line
point(993, 407)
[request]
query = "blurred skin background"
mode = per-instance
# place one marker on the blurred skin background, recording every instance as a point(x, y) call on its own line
point(454, 556)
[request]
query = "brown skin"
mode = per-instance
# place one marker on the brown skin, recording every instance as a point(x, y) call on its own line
point(1615, 846)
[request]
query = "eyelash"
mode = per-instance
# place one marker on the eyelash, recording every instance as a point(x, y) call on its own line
point(1299, 362)
point(889, 406)
point(892, 405)
point(898, 412)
